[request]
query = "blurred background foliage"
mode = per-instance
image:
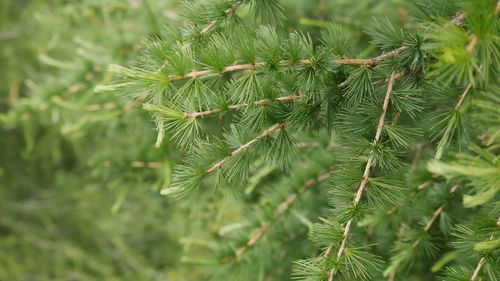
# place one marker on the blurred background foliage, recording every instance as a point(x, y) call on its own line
point(79, 174)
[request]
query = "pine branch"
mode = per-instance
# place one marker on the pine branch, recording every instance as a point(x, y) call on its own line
point(245, 146)
point(462, 97)
point(420, 187)
point(427, 227)
point(263, 102)
point(451, 126)
point(433, 218)
point(482, 261)
point(366, 173)
point(371, 62)
point(279, 211)
point(472, 44)
point(231, 10)
point(209, 27)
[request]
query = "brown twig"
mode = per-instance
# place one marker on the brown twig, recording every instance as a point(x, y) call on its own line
point(366, 174)
point(245, 146)
point(420, 187)
point(370, 62)
point(211, 25)
point(280, 210)
point(482, 261)
point(433, 218)
point(462, 97)
point(472, 44)
point(264, 102)
point(427, 226)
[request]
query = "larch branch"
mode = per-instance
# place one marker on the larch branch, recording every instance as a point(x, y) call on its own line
point(482, 261)
point(370, 62)
point(211, 25)
point(245, 146)
point(366, 174)
point(462, 97)
point(420, 187)
point(263, 102)
point(433, 218)
point(279, 211)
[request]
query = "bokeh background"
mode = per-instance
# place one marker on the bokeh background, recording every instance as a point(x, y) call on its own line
point(79, 173)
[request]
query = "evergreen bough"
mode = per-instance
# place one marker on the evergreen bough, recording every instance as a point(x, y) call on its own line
point(386, 158)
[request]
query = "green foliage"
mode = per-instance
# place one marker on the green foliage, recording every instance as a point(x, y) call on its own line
point(310, 146)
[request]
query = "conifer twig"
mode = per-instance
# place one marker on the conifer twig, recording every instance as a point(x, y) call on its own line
point(366, 174)
point(209, 27)
point(433, 218)
point(462, 97)
point(370, 62)
point(280, 210)
point(263, 102)
point(245, 146)
point(420, 187)
point(427, 227)
point(472, 44)
point(482, 261)
point(214, 23)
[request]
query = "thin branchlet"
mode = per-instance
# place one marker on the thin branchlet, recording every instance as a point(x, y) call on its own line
point(370, 62)
point(263, 102)
point(433, 218)
point(482, 261)
point(208, 28)
point(462, 97)
point(263, 135)
point(229, 11)
point(420, 187)
point(427, 227)
point(366, 174)
point(279, 211)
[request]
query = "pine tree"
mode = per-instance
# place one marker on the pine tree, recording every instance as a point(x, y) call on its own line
point(382, 148)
